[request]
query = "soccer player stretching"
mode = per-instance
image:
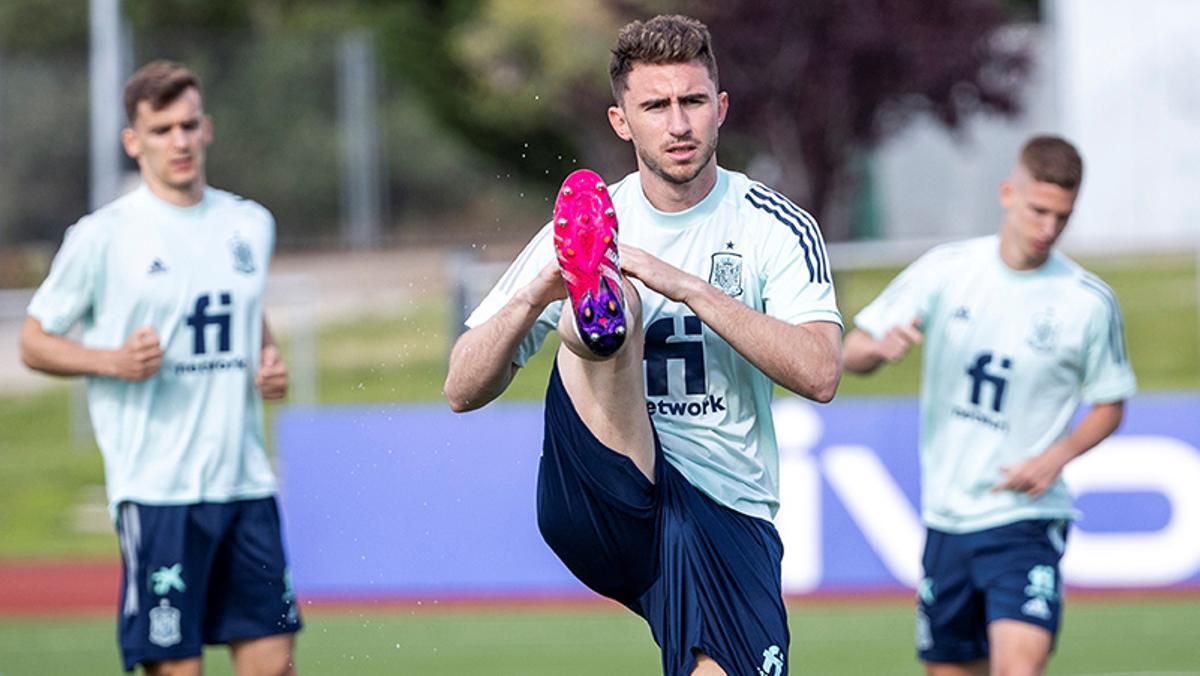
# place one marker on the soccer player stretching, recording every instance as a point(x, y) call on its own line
point(1016, 334)
point(168, 282)
point(659, 472)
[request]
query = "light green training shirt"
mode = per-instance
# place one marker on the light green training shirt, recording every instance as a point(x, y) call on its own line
point(193, 432)
point(1008, 357)
point(710, 406)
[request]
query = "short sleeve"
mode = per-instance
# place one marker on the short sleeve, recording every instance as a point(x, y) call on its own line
point(1107, 374)
point(536, 255)
point(68, 293)
point(910, 295)
point(797, 283)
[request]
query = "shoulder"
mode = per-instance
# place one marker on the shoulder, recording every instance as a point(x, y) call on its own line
point(624, 189)
point(777, 220)
point(761, 202)
point(98, 227)
point(1091, 290)
point(951, 255)
point(225, 203)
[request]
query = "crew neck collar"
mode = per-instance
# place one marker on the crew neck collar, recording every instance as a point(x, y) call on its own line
point(704, 207)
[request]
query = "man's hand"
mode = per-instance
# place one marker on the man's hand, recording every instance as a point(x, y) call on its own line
point(139, 358)
point(546, 288)
point(657, 274)
point(900, 339)
point(1035, 475)
point(272, 377)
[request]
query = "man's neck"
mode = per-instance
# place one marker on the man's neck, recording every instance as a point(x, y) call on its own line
point(180, 197)
point(1012, 256)
point(672, 197)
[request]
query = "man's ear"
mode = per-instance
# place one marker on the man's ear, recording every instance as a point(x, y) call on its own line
point(207, 125)
point(129, 140)
point(620, 125)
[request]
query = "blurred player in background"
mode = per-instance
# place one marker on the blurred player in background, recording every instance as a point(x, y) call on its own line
point(167, 282)
point(659, 473)
point(1015, 334)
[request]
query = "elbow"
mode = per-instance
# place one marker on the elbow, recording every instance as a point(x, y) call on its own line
point(826, 391)
point(458, 404)
point(827, 381)
point(28, 354)
point(459, 401)
point(821, 387)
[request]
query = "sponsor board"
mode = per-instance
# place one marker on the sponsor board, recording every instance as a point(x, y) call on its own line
point(416, 500)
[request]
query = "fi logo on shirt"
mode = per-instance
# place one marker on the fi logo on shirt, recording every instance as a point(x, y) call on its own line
point(996, 379)
point(205, 315)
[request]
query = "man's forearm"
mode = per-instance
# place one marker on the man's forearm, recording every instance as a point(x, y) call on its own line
point(481, 363)
point(860, 353)
point(56, 355)
point(806, 359)
point(1096, 426)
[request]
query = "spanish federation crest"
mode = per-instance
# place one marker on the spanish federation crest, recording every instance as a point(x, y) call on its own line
point(1043, 337)
point(243, 257)
point(164, 625)
point(726, 272)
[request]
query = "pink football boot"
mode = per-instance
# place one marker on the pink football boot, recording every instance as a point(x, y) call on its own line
point(585, 238)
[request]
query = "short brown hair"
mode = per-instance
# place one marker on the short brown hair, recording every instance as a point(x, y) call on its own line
point(160, 82)
point(663, 39)
point(1051, 159)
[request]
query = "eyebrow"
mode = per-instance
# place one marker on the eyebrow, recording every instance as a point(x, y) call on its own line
point(693, 97)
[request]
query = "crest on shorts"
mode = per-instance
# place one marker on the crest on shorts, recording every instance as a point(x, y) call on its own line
point(726, 272)
point(164, 625)
point(243, 256)
point(1043, 337)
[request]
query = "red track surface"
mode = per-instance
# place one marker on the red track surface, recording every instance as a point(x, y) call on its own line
point(58, 588)
point(55, 588)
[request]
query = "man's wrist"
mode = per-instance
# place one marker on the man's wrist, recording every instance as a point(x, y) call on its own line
point(695, 290)
point(103, 363)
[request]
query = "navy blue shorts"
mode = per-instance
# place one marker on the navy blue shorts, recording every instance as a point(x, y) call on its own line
point(971, 579)
point(201, 574)
point(706, 578)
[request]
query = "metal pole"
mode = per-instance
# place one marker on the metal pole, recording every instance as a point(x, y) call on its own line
point(105, 85)
point(104, 82)
point(361, 187)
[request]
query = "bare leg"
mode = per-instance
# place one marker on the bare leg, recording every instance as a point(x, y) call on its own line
point(609, 393)
point(267, 656)
point(186, 667)
point(1019, 648)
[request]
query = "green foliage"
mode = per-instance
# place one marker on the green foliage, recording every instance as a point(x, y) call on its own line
point(42, 27)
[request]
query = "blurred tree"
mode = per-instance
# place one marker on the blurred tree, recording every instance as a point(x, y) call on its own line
point(41, 26)
point(816, 84)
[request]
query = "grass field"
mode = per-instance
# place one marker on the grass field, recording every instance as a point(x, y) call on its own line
point(1111, 637)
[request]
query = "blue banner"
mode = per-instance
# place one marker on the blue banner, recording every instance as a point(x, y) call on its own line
point(415, 500)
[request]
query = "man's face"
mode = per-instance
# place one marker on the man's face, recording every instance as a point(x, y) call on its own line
point(169, 144)
point(671, 113)
point(1035, 214)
